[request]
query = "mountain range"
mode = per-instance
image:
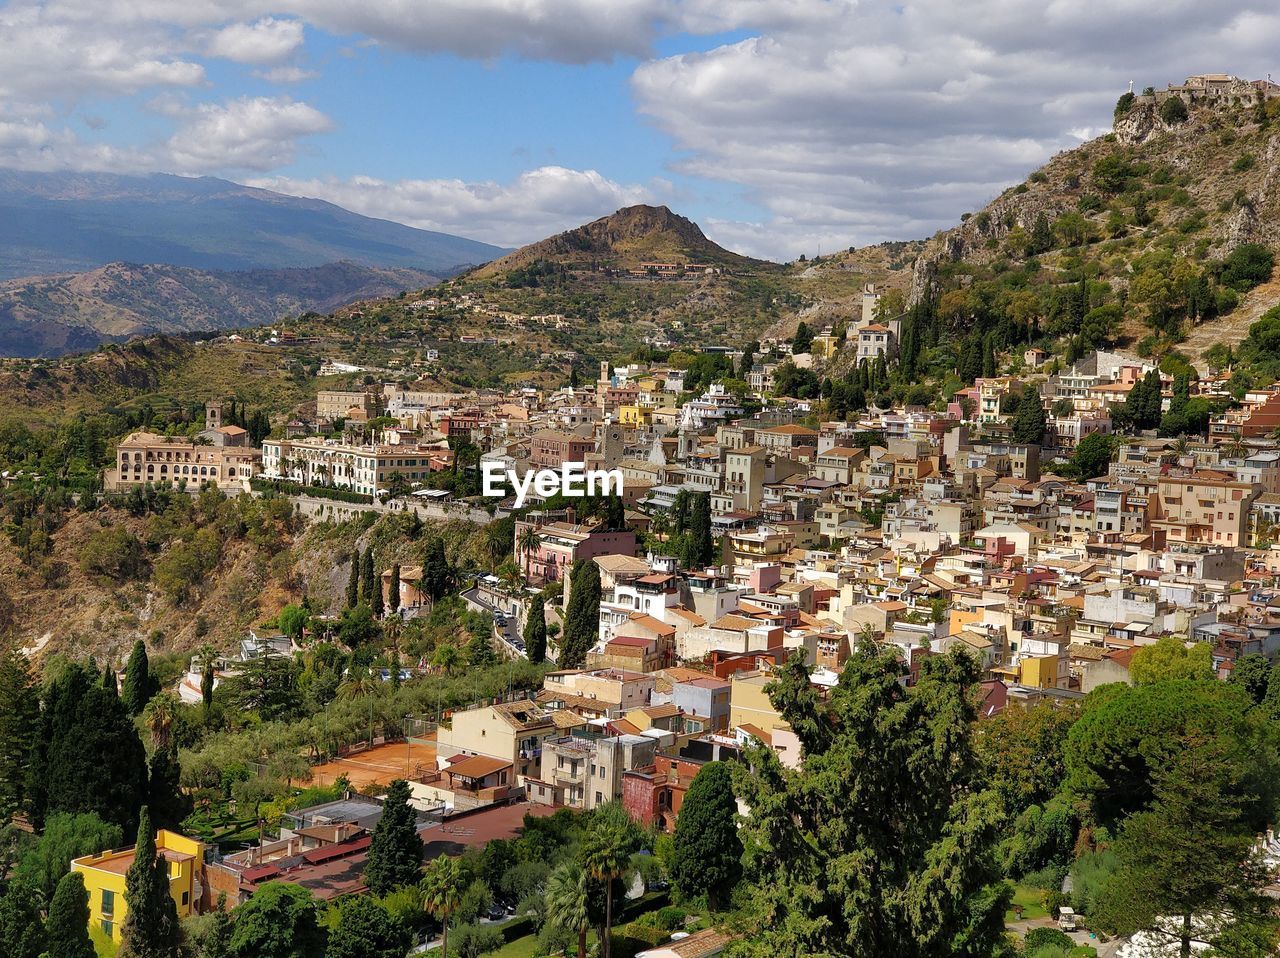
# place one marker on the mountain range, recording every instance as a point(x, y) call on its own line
point(94, 257)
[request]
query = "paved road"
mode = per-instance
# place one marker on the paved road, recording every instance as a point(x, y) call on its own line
point(507, 631)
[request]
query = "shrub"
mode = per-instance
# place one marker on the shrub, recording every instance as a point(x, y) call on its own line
point(1038, 938)
point(1248, 265)
point(1173, 111)
point(1243, 163)
point(1124, 104)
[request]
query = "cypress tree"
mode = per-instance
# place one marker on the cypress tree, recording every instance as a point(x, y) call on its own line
point(138, 684)
point(393, 590)
point(21, 929)
point(109, 681)
point(68, 924)
point(165, 799)
point(1030, 421)
point(701, 546)
point(353, 581)
point(19, 719)
point(207, 680)
point(376, 605)
point(368, 581)
point(535, 631)
point(395, 853)
point(151, 928)
point(582, 619)
point(87, 756)
point(708, 851)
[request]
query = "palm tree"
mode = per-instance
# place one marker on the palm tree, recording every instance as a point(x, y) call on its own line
point(447, 657)
point(527, 543)
point(566, 896)
point(161, 712)
point(1235, 447)
point(440, 895)
point(606, 856)
point(357, 685)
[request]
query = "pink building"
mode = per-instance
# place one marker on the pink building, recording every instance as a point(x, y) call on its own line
point(561, 544)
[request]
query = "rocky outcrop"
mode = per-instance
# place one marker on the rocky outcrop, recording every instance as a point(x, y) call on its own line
point(1140, 124)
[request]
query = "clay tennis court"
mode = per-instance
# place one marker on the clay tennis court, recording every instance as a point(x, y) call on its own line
point(380, 765)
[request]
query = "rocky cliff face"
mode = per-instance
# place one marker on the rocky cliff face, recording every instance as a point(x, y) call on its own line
point(1208, 185)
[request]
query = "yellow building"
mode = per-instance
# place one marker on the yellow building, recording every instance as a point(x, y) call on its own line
point(104, 878)
point(635, 416)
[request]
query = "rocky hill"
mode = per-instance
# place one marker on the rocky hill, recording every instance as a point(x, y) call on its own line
point(52, 315)
point(623, 240)
point(1175, 188)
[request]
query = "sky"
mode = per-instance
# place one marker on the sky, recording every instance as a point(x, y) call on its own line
point(781, 126)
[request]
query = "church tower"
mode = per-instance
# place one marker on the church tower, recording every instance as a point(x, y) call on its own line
point(213, 414)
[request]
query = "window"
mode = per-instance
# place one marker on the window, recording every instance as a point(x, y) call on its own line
point(107, 927)
point(108, 902)
point(186, 899)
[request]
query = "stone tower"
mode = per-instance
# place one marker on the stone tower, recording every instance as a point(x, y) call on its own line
point(213, 414)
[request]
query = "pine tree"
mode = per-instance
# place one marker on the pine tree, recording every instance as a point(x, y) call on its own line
point(19, 719)
point(535, 631)
point(353, 581)
point(151, 928)
point(67, 926)
point(393, 590)
point(139, 686)
point(708, 852)
point(368, 581)
point(22, 933)
point(395, 853)
point(815, 832)
point(582, 618)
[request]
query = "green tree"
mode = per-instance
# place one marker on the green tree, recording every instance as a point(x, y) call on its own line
point(168, 803)
point(151, 928)
point(368, 580)
point(22, 932)
point(353, 580)
point(1126, 736)
point(1021, 751)
point(882, 842)
point(1092, 457)
point(395, 853)
point(1173, 111)
point(64, 837)
point(1253, 673)
point(1030, 421)
point(441, 894)
point(293, 621)
point(605, 853)
point(139, 686)
point(802, 341)
point(1170, 658)
point(365, 930)
point(535, 631)
point(217, 937)
point(1188, 866)
point(19, 718)
point(279, 921)
point(701, 547)
point(437, 576)
point(582, 617)
point(567, 903)
point(393, 590)
point(67, 926)
point(87, 756)
point(708, 851)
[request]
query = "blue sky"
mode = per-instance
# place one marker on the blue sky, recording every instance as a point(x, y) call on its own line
point(782, 126)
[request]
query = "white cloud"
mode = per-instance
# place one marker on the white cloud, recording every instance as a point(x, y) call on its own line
point(873, 120)
point(249, 133)
point(286, 74)
point(266, 41)
point(536, 204)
